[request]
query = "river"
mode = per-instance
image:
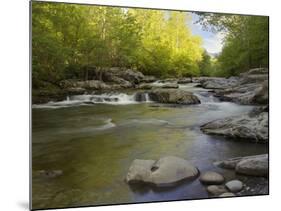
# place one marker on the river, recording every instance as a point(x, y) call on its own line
point(94, 138)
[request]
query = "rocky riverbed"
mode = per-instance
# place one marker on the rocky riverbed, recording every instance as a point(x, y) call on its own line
point(94, 141)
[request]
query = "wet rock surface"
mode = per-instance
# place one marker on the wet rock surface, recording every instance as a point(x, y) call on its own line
point(252, 127)
point(173, 96)
point(251, 165)
point(167, 171)
point(234, 186)
point(250, 88)
point(211, 177)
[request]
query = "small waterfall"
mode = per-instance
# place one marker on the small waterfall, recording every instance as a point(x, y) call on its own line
point(146, 97)
point(142, 97)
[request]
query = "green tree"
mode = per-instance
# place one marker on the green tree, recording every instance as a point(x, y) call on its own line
point(246, 42)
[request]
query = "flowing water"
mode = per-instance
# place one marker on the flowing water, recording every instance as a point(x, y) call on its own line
point(94, 138)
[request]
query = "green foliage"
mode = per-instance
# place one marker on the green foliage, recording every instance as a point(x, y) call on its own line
point(246, 41)
point(68, 37)
point(205, 64)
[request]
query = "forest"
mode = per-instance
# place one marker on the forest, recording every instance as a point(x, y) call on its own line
point(67, 38)
point(131, 105)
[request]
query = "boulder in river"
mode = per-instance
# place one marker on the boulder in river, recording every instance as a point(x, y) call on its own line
point(218, 83)
point(49, 174)
point(92, 85)
point(234, 185)
point(256, 165)
point(112, 74)
point(185, 80)
point(251, 88)
point(216, 189)
point(173, 96)
point(164, 172)
point(211, 177)
point(148, 79)
point(246, 127)
point(145, 86)
point(170, 86)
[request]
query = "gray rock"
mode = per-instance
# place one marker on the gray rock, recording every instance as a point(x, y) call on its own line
point(145, 86)
point(92, 84)
point(234, 185)
point(132, 76)
point(164, 172)
point(216, 189)
point(76, 91)
point(173, 96)
point(246, 127)
point(257, 166)
point(184, 80)
point(218, 83)
point(120, 81)
point(227, 194)
point(170, 85)
point(211, 177)
point(148, 79)
point(256, 71)
point(168, 80)
point(251, 88)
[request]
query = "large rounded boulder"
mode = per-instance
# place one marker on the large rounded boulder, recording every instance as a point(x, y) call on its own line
point(256, 166)
point(166, 171)
point(211, 177)
point(173, 96)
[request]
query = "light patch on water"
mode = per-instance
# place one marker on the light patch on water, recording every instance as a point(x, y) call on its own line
point(150, 121)
point(108, 124)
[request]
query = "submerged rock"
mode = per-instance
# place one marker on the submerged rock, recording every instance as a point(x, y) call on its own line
point(256, 165)
point(234, 185)
point(227, 194)
point(211, 177)
point(164, 172)
point(246, 127)
point(173, 96)
point(49, 173)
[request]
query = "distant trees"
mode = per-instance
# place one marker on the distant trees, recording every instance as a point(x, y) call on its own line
point(67, 37)
point(246, 41)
